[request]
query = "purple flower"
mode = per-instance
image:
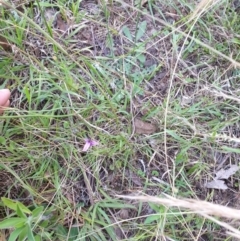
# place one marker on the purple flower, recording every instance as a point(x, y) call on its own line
point(89, 143)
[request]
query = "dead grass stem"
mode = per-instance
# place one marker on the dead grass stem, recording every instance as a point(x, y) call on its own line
point(200, 207)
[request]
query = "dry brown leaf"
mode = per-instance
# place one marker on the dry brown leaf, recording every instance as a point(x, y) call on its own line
point(226, 173)
point(142, 127)
point(61, 24)
point(124, 213)
point(135, 179)
point(217, 183)
point(4, 44)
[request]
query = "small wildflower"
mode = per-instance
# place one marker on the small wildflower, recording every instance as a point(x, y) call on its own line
point(89, 143)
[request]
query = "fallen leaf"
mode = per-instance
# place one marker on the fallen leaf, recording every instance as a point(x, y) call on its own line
point(124, 213)
point(61, 25)
point(217, 182)
point(142, 127)
point(135, 179)
point(225, 174)
point(4, 44)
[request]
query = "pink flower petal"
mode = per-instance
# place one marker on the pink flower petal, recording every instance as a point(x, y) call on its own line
point(89, 143)
point(86, 146)
point(94, 143)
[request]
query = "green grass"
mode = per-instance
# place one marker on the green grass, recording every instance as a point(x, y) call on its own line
point(66, 88)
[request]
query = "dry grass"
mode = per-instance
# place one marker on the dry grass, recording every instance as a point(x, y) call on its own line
point(202, 208)
point(198, 206)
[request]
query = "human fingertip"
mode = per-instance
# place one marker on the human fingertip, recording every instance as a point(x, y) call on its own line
point(5, 92)
point(7, 104)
